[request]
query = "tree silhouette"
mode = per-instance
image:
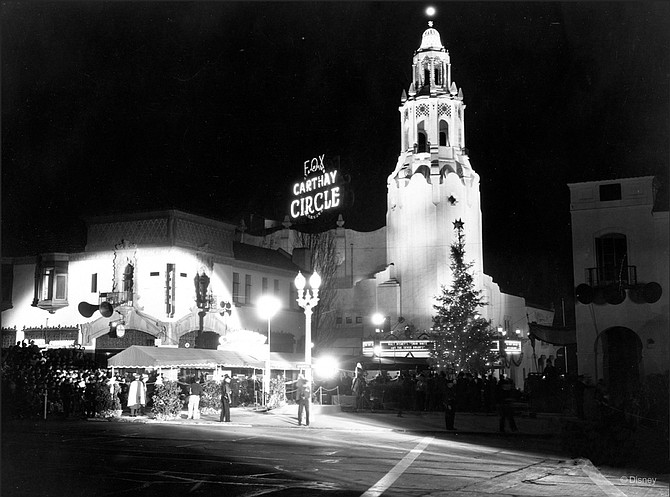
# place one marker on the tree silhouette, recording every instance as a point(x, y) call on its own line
point(323, 250)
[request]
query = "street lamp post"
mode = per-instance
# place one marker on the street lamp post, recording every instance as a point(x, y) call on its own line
point(308, 298)
point(267, 305)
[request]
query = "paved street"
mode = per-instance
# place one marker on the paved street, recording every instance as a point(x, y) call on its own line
point(340, 454)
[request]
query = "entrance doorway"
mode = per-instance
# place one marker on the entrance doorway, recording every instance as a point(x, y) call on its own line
point(622, 354)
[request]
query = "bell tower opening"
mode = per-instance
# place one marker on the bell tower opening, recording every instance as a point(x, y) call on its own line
point(422, 145)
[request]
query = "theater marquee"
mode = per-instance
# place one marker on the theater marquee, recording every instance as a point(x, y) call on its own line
point(398, 348)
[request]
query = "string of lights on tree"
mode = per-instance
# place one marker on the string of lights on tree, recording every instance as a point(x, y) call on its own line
point(462, 337)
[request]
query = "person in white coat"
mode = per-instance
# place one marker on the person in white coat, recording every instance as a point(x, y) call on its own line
point(137, 396)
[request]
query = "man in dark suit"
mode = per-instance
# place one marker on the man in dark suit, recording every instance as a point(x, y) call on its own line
point(226, 393)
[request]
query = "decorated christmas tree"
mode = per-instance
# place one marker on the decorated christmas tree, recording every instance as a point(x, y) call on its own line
point(463, 339)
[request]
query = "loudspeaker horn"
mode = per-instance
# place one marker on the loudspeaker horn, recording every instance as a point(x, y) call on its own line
point(614, 294)
point(651, 292)
point(87, 310)
point(584, 293)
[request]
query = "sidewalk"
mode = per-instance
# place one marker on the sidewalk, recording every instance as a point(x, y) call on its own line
point(332, 417)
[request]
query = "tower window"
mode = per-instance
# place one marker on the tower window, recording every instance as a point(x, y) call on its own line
point(444, 134)
point(422, 142)
point(426, 76)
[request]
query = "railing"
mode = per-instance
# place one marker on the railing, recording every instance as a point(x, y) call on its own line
point(611, 275)
point(116, 298)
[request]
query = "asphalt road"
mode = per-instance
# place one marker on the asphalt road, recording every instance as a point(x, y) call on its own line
point(88, 458)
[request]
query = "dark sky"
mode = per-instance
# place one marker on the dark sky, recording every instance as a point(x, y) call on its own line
point(211, 107)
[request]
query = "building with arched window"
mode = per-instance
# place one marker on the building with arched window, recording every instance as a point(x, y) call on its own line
point(620, 255)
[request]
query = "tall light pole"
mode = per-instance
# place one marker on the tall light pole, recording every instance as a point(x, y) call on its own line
point(308, 299)
point(267, 306)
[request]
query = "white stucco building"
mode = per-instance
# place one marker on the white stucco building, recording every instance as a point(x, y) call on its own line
point(145, 265)
point(620, 254)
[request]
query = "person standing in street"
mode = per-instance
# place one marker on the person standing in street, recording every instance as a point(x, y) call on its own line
point(136, 395)
point(506, 398)
point(303, 394)
point(195, 391)
point(449, 406)
point(226, 394)
point(358, 388)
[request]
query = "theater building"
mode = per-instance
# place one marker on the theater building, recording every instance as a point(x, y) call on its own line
point(149, 265)
point(398, 270)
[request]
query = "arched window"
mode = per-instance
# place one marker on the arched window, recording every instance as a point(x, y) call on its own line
point(426, 75)
point(444, 134)
point(438, 76)
point(422, 142)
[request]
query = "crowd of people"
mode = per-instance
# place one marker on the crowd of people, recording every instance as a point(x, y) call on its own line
point(433, 391)
point(65, 382)
point(424, 390)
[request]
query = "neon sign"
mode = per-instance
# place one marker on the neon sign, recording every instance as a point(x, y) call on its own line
point(318, 192)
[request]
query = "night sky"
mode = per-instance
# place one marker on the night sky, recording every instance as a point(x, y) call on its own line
point(212, 107)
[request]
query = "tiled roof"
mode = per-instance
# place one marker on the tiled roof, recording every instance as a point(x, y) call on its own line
point(263, 256)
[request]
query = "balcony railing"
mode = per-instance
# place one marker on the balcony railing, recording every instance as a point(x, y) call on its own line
point(116, 298)
point(611, 275)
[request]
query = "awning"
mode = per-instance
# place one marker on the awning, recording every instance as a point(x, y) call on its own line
point(137, 356)
point(554, 335)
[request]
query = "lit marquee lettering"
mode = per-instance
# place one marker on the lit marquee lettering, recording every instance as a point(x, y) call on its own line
point(318, 192)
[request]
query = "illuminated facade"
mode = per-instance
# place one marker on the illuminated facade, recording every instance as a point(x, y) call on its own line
point(160, 271)
point(398, 269)
point(432, 185)
point(148, 262)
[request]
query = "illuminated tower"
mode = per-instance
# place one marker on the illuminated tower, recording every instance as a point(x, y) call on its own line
point(432, 185)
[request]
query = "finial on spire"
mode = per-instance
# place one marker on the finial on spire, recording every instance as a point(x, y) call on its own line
point(430, 24)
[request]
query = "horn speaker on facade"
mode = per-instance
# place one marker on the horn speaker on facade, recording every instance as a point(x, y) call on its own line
point(646, 293)
point(584, 293)
point(87, 310)
point(651, 292)
point(614, 294)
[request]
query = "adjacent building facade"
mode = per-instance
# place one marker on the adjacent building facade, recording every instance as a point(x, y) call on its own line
point(620, 252)
point(170, 277)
